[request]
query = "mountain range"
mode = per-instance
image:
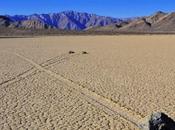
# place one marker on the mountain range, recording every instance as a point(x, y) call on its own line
point(68, 20)
point(71, 20)
point(160, 22)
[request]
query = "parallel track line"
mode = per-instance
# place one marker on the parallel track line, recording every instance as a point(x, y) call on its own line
point(123, 112)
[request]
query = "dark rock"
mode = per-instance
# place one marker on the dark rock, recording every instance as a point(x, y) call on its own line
point(159, 121)
point(71, 52)
point(84, 52)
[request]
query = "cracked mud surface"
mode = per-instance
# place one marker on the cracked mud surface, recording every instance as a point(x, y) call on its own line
point(41, 102)
point(121, 80)
point(11, 67)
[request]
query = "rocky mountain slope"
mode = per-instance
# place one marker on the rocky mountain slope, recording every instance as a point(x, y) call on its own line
point(6, 22)
point(68, 20)
point(158, 22)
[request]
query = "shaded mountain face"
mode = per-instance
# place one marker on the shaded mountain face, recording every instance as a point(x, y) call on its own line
point(69, 20)
point(5, 21)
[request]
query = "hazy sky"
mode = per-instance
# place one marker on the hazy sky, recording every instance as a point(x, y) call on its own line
point(115, 8)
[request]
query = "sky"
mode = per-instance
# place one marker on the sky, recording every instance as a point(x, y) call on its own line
point(113, 8)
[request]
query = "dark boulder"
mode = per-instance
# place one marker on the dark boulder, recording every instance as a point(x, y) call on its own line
point(71, 52)
point(84, 52)
point(159, 121)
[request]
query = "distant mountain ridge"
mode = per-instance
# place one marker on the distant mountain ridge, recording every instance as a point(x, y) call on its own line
point(159, 22)
point(67, 20)
point(5, 21)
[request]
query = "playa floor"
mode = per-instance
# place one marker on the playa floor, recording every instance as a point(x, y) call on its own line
point(85, 82)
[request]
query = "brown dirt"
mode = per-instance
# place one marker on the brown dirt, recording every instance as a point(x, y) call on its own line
point(121, 80)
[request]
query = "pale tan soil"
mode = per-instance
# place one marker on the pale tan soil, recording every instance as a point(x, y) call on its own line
point(11, 66)
point(42, 102)
point(121, 80)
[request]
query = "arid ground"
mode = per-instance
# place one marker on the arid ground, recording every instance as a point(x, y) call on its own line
point(120, 81)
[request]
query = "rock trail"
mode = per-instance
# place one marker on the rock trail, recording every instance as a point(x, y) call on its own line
point(107, 105)
point(52, 61)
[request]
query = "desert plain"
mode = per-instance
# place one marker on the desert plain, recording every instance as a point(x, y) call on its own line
point(114, 86)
